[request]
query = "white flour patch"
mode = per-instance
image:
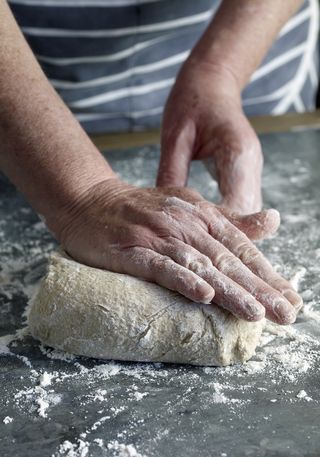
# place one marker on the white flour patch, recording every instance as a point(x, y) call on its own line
point(68, 449)
point(303, 395)
point(45, 379)
point(7, 420)
point(123, 450)
point(37, 399)
point(140, 395)
point(297, 277)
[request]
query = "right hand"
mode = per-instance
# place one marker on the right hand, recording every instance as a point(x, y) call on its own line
point(173, 237)
point(204, 120)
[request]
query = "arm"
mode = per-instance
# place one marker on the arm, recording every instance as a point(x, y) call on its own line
point(106, 223)
point(240, 35)
point(43, 149)
point(203, 118)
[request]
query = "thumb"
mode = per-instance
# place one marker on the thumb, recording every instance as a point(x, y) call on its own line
point(176, 154)
point(257, 226)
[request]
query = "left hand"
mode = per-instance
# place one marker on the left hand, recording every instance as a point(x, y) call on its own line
point(203, 119)
point(180, 241)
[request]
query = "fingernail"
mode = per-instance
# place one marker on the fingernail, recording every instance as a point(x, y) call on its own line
point(293, 298)
point(255, 312)
point(207, 299)
point(273, 217)
point(205, 291)
point(285, 313)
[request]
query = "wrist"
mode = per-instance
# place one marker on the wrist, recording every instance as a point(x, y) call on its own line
point(62, 203)
point(79, 210)
point(215, 85)
point(217, 70)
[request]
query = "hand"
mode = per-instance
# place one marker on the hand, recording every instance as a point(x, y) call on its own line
point(203, 119)
point(177, 239)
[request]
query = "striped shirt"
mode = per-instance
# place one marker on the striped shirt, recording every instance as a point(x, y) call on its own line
point(114, 61)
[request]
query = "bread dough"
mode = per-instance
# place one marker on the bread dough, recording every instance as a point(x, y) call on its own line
point(97, 313)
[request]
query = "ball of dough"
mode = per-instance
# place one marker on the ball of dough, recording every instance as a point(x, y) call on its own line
point(97, 313)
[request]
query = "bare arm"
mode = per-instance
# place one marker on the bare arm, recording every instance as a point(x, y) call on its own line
point(43, 149)
point(241, 33)
point(104, 222)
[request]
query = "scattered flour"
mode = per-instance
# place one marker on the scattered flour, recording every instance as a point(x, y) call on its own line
point(303, 395)
point(45, 379)
point(38, 398)
point(297, 277)
point(67, 449)
point(286, 354)
point(56, 354)
point(43, 406)
point(139, 395)
point(124, 450)
point(7, 420)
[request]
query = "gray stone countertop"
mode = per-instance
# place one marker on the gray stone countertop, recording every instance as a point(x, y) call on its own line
point(55, 404)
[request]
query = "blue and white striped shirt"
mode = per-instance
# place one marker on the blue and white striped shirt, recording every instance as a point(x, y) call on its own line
point(114, 61)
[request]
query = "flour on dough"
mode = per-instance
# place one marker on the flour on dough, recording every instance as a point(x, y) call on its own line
point(97, 313)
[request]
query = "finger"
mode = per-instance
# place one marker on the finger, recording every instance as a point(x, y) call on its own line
point(148, 264)
point(231, 296)
point(257, 226)
point(228, 294)
point(278, 308)
point(237, 166)
point(176, 153)
point(239, 244)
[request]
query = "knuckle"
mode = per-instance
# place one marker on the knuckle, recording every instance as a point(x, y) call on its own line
point(249, 255)
point(161, 264)
point(132, 254)
point(227, 262)
point(229, 265)
point(216, 225)
point(133, 236)
point(213, 217)
point(187, 194)
point(166, 176)
point(200, 266)
point(242, 247)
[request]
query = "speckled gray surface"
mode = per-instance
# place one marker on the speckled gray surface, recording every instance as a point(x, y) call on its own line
point(81, 407)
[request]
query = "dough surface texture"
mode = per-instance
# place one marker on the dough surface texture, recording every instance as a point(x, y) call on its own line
point(96, 313)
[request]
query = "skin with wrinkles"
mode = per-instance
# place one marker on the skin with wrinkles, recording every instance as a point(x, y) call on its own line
point(167, 235)
point(203, 117)
point(217, 131)
point(182, 242)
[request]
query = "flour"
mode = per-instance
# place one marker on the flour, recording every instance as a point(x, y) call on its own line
point(55, 354)
point(94, 408)
point(297, 277)
point(303, 395)
point(139, 395)
point(67, 449)
point(286, 353)
point(123, 450)
point(37, 398)
point(7, 420)
point(100, 395)
point(43, 406)
point(45, 379)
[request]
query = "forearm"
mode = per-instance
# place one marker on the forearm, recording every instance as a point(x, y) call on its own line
point(241, 33)
point(43, 149)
